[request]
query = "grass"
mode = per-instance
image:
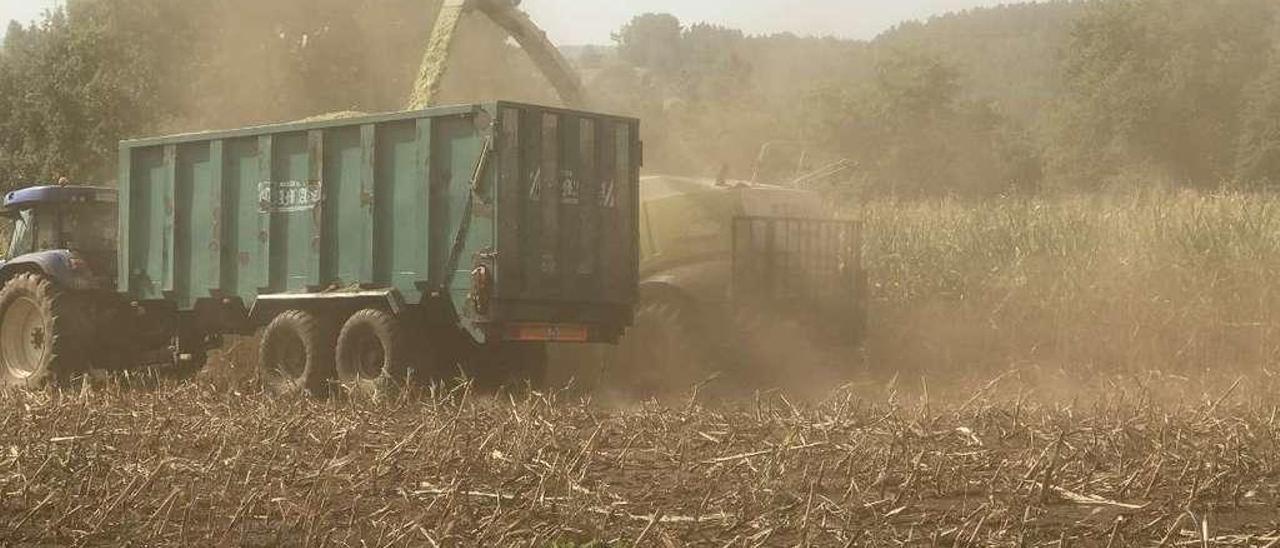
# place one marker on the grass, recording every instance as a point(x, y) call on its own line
point(1179, 282)
point(195, 464)
point(1044, 373)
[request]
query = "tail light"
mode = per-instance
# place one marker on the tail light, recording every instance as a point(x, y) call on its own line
point(481, 289)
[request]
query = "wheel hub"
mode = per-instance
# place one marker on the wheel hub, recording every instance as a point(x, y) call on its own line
point(23, 338)
point(369, 356)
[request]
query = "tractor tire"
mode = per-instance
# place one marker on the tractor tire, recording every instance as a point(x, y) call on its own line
point(660, 355)
point(372, 353)
point(296, 354)
point(41, 333)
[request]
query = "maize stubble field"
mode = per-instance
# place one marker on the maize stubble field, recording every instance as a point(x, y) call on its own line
point(1077, 371)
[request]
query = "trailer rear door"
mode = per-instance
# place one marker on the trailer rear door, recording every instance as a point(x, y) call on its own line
point(567, 215)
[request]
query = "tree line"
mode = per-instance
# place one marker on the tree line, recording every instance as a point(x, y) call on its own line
point(94, 72)
point(1054, 97)
point(1068, 96)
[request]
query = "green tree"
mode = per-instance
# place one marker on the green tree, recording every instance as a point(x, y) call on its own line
point(914, 133)
point(715, 63)
point(652, 41)
point(1158, 83)
point(1258, 151)
point(98, 71)
point(78, 81)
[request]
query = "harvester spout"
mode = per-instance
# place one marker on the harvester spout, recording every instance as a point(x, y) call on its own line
point(506, 14)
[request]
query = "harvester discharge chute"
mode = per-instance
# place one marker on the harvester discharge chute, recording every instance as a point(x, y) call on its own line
point(506, 14)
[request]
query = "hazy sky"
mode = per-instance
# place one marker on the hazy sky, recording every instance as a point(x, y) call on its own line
point(576, 22)
point(22, 10)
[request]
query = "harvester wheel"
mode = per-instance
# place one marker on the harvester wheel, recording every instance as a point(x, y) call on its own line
point(658, 356)
point(372, 355)
point(41, 336)
point(296, 354)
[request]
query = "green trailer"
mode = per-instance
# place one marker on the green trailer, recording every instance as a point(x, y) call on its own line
point(368, 248)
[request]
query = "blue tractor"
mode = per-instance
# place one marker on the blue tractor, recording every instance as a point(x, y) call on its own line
point(60, 313)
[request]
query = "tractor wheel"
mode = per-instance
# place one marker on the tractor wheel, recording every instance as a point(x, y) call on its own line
point(41, 336)
point(659, 355)
point(372, 355)
point(296, 354)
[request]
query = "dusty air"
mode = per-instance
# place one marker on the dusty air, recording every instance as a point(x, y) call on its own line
point(589, 274)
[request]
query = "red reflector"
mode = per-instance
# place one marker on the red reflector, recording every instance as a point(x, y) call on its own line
point(535, 332)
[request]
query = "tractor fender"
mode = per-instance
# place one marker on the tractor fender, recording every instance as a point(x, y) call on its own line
point(57, 264)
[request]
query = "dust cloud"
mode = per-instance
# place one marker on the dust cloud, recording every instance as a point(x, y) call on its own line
point(274, 62)
point(267, 68)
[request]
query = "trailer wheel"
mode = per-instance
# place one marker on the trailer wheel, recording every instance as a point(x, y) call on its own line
point(296, 354)
point(41, 335)
point(371, 352)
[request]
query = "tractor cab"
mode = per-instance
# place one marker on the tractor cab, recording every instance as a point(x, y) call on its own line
point(60, 229)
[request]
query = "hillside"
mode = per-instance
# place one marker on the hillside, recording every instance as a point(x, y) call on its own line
point(1058, 96)
point(1009, 54)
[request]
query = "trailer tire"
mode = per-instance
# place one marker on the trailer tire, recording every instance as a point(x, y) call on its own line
point(296, 354)
point(372, 358)
point(41, 333)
